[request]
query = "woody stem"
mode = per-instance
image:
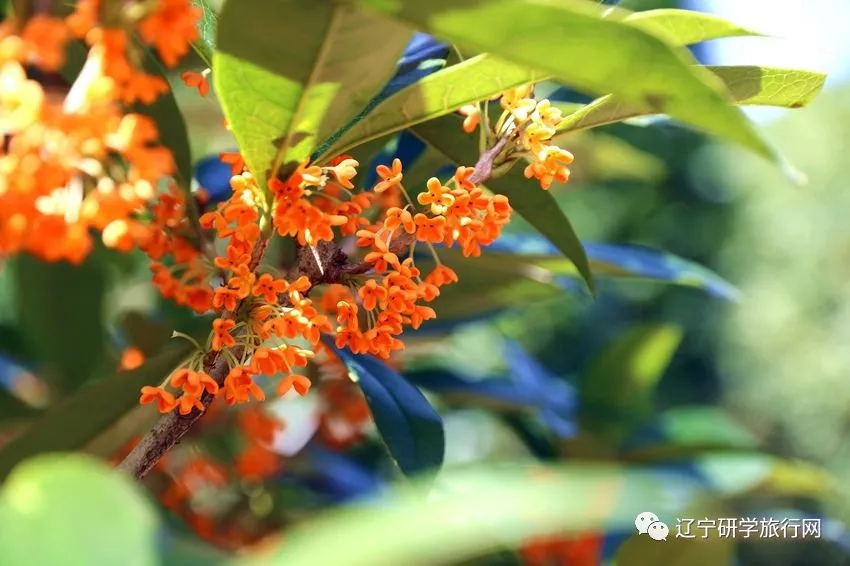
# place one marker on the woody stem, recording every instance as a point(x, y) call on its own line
point(171, 427)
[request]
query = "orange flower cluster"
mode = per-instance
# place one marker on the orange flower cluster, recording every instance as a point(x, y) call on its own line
point(74, 161)
point(180, 272)
point(530, 125)
point(257, 461)
point(169, 26)
point(462, 214)
point(264, 316)
point(311, 220)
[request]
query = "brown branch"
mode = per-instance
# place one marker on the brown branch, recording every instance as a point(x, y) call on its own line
point(322, 264)
point(171, 427)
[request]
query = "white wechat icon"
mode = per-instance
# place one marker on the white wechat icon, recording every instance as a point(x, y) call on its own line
point(658, 530)
point(643, 521)
point(648, 523)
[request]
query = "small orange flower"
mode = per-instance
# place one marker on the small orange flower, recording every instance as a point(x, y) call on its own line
point(430, 229)
point(197, 80)
point(347, 314)
point(163, 399)
point(242, 281)
point(269, 288)
point(397, 217)
point(237, 164)
point(345, 171)
point(300, 383)
point(389, 177)
point(441, 275)
point(438, 196)
point(193, 382)
point(472, 117)
point(187, 402)
point(221, 334)
point(372, 294)
point(131, 358)
point(239, 386)
point(225, 298)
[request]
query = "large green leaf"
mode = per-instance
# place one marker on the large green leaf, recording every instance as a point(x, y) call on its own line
point(60, 309)
point(75, 511)
point(763, 86)
point(685, 27)
point(80, 417)
point(575, 43)
point(279, 102)
point(436, 95)
point(616, 390)
point(479, 511)
point(534, 204)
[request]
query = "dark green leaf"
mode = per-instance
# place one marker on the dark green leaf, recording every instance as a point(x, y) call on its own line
point(78, 418)
point(281, 104)
point(60, 309)
point(616, 391)
point(410, 427)
point(531, 202)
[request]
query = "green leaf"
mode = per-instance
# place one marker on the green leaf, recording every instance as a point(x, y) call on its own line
point(764, 86)
point(478, 511)
point(207, 29)
point(80, 417)
point(171, 127)
point(686, 27)
point(531, 202)
point(280, 104)
point(11, 407)
point(60, 309)
point(769, 86)
point(616, 391)
point(436, 95)
point(75, 511)
point(573, 41)
point(489, 286)
point(409, 425)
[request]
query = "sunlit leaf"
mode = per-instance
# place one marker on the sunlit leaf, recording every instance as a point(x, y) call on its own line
point(685, 27)
point(78, 418)
point(280, 105)
point(573, 41)
point(480, 511)
point(764, 86)
point(436, 95)
point(769, 86)
point(46, 500)
point(423, 56)
point(410, 427)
